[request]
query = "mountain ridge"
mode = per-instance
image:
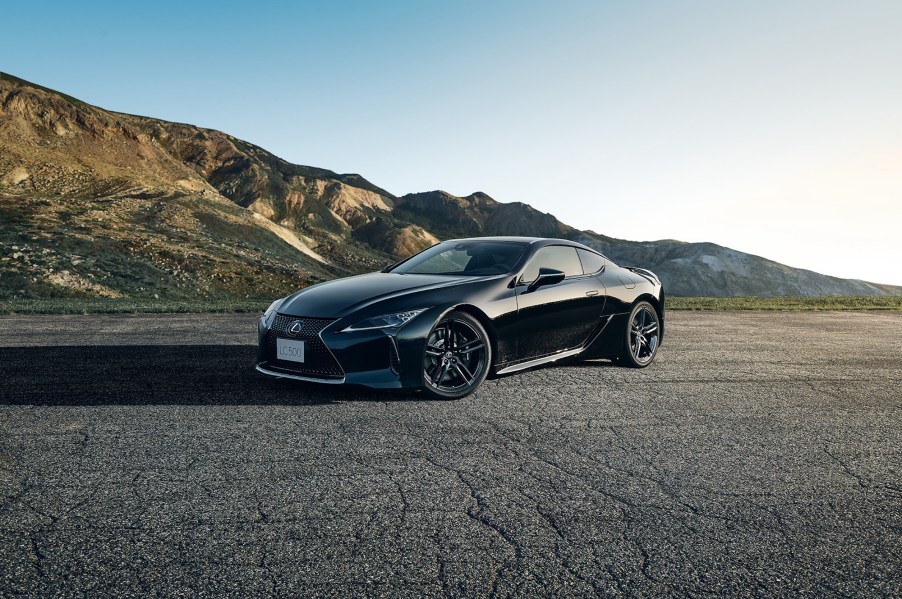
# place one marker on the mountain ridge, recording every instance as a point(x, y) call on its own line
point(149, 206)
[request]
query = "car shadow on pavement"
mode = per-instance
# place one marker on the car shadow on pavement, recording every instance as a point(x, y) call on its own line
point(593, 363)
point(159, 375)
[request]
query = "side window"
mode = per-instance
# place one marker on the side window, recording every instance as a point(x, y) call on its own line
point(592, 262)
point(558, 257)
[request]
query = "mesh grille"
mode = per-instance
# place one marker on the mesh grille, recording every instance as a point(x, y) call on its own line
point(318, 360)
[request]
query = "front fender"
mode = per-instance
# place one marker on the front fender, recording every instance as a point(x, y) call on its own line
point(412, 345)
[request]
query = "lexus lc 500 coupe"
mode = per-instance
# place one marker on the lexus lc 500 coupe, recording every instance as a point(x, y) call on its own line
point(446, 318)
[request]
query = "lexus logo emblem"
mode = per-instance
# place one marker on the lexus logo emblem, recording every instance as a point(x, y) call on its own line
point(295, 327)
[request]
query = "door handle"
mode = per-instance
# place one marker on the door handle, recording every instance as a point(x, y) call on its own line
point(592, 293)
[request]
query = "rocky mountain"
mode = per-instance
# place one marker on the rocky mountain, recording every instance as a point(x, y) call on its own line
point(695, 269)
point(99, 203)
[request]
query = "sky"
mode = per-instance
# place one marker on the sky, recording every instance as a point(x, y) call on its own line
point(772, 127)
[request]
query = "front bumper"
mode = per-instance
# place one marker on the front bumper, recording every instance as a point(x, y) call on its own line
point(372, 358)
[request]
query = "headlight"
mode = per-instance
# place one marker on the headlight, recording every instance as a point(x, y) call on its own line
point(386, 321)
point(270, 312)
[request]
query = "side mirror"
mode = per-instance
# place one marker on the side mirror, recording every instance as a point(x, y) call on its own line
point(547, 276)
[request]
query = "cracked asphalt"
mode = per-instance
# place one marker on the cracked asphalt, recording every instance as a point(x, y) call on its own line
point(759, 455)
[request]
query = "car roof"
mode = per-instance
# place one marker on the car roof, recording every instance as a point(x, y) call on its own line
point(527, 240)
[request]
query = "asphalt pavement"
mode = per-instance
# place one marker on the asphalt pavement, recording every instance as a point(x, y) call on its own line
point(761, 454)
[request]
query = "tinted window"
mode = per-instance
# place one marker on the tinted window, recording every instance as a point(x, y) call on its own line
point(558, 257)
point(592, 262)
point(465, 258)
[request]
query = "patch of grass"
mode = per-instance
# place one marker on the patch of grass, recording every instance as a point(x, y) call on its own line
point(130, 305)
point(785, 303)
point(81, 305)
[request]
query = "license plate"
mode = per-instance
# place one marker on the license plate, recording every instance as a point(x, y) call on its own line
point(290, 349)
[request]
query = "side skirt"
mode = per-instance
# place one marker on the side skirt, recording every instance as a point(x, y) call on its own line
point(539, 361)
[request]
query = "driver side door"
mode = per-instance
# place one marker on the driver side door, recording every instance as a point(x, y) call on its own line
point(556, 317)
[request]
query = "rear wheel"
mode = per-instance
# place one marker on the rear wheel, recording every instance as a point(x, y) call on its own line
point(457, 356)
point(642, 336)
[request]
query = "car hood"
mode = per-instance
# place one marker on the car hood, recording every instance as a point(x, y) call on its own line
point(338, 298)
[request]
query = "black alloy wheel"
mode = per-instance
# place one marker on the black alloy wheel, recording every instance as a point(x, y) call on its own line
point(457, 356)
point(642, 336)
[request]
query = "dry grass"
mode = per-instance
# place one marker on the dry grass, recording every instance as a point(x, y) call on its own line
point(130, 306)
point(785, 303)
point(258, 304)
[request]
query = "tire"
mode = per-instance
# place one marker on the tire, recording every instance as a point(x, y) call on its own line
point(457, 356)
point(643, 333)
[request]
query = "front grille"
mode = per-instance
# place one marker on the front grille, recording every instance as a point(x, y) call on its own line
point(318, 360)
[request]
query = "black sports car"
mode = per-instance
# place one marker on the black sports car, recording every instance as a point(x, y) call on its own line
point(446, 318)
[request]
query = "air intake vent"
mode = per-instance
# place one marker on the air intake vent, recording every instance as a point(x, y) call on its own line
point(394, 360)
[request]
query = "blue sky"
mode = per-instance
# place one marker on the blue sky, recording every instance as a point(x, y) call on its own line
point(771, 127)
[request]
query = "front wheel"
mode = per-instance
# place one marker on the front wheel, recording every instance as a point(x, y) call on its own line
point(457, 356)
point(642, 336)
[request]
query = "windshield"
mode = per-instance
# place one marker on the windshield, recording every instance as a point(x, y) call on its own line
point(468, 258)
